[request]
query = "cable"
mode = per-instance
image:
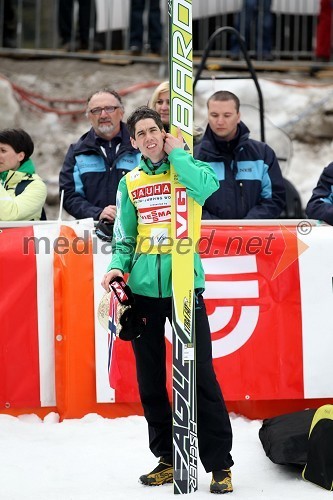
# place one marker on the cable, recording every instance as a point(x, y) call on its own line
point(48, 104)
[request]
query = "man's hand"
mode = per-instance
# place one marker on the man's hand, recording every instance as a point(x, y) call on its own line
point(108, 213)
point(109, 277)
point(172, 142)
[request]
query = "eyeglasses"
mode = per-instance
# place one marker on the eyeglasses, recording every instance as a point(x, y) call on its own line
point(107, 109)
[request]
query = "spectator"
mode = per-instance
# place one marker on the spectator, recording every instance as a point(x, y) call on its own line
point(22, 191)
point(256, 16)
point(94, 165)
point(320, 205)
point(86, 21)
point(150, 280)
point(154, 26)
point(9, 24)
point(160, 102)
point(324, 31)
point(251, 183)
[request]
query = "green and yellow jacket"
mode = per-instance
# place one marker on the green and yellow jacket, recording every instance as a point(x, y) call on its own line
point(142, 232)
point(29, 203)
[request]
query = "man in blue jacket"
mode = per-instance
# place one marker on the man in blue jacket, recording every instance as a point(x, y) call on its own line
point(251, 183)
point(320, 205)
point(95, 164)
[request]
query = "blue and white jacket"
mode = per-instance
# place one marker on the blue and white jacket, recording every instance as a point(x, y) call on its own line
point(89, 178)
point(320, 205)
point(251, 183)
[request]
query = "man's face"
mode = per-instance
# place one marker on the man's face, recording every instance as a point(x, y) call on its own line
point(106, 123)
point(149, 139)
point(223, 118)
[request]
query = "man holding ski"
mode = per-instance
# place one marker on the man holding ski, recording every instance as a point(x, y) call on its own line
point(142, 247)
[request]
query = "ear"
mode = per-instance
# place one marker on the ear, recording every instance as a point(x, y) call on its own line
point(133, 143)
point(239, 117)
point(163, 133)
point(20, 156)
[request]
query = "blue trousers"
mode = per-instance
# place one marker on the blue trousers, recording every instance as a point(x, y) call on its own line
point(255, 16)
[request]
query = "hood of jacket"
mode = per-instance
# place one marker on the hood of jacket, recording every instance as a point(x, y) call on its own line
point(27, 167)
point(211, 148)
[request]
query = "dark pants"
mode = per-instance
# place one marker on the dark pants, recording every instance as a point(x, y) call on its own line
point(65, 19)
point(250, 20)
point(214, 429)
point(9, 23)
point(154, 24)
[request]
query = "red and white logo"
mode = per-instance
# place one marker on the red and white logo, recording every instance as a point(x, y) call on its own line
point(181, 213)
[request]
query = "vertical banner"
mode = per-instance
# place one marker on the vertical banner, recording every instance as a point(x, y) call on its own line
point(185, 451)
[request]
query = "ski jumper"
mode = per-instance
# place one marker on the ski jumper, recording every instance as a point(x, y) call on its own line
point(142, 248)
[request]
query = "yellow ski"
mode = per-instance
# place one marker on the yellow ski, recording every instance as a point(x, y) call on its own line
point(185, 450)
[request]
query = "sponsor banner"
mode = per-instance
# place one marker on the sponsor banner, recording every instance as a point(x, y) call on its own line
point(254, 305)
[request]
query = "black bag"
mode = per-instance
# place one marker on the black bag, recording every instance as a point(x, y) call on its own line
point(319, 465)
point(285, 437)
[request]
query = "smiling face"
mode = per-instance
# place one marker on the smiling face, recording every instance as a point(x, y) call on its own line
point(149, 139)
point(223, 118)
point(9, 159)
point(106, 124)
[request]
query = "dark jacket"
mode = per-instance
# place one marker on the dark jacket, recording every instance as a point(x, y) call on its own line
point(90, 178)
point(320, 205)
point(251, 183)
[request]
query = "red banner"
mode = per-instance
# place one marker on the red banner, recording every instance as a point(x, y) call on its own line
point(254, 313)
point(19, 353)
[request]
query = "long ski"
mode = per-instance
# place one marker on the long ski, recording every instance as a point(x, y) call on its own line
point(185, 442)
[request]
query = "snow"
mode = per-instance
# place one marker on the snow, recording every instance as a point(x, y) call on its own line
point(96, 458)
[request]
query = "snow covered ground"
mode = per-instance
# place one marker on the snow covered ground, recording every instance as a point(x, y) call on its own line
point(94, 458)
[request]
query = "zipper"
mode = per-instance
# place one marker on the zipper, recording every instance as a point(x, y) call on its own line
point(159, 276)
point(241, 196)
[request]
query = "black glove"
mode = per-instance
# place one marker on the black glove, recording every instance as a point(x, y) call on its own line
point(129, 325)
point(104, 230)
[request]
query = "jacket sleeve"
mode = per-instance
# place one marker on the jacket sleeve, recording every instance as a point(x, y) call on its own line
point(25, 206)
point(273, 198)
point(320, 205)
point(124, 232)
point(197, 176)
point(74, 203)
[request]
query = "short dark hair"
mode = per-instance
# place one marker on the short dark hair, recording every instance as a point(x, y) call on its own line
point(225, 95)
point(106, 90)
point(19, 140)
point(142, 113)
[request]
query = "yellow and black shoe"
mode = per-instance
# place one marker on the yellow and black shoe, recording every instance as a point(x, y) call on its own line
point(221, 482)
point(162, 474)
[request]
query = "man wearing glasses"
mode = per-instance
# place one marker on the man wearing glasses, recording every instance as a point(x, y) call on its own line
point(95, 164)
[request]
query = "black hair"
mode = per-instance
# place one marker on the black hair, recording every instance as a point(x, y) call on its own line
point(19, 140)
point(142, 113)
point(225, 95)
